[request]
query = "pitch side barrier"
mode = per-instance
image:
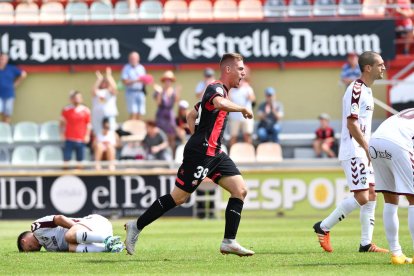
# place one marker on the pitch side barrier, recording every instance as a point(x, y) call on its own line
point(293, 187)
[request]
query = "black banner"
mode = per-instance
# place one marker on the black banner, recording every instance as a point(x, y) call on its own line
point(110, 196)
point(196, 43)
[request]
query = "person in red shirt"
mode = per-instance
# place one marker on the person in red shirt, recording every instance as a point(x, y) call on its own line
point(401, 10)
point(75, 125)
point(325, 138)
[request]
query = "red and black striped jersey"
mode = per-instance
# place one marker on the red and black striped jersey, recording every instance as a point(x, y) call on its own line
point(210, 123)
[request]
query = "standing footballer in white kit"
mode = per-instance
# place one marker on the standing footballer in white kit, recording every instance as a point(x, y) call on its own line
point(392, 155)
point(357, 110)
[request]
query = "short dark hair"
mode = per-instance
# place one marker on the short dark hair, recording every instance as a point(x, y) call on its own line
point(366, 58)
point(151, 123)
point(19, 240)
point(105, 121)
point(230, 56)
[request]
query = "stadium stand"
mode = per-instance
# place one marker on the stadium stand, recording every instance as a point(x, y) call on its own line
point(123, 12)
point(275, 8)
point(373, 7)
point(324, 8)
point(26, 13)
point(5, 133)
point(179, 154)
point(176, 10)
point(52, 12)
point(49, 132)
point(100, 11)
point(77, 11)
point(6, 13)
point(298, 8)
point(242, 152)
point(269, 152)
point(151, 10)
point(200, 10)
point(50, 155)
point(349, 7)
point(24, 155)
point(225, 9)
point(250, 9)
point(26, 132)
point(4, 155)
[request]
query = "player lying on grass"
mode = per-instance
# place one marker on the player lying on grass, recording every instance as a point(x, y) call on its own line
point(92, 233)
point(392, 155)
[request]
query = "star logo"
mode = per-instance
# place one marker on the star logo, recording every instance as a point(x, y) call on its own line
point(159, 45)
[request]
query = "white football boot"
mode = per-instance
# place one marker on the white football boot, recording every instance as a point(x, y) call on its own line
point(131, 239)
point(229, 246)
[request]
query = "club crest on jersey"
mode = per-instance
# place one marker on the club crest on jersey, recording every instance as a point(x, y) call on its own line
point(354, 108)
point(220, 91)
point(363, 180)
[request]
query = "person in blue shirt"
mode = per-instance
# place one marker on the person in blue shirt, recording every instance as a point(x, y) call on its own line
point(350, 70)
point(10, 78)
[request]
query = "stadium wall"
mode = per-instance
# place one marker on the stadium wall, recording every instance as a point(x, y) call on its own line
point(305, 92)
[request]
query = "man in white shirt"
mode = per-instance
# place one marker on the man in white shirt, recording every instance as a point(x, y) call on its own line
point(392, 155)
point(357, 110)
point(58, 233)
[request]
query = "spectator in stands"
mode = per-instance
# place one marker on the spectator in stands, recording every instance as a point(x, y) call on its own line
point(183, 130)
point(133, 151)
point(156, 143)
point(325, 138)
point(166, 95)
point(104, 101)
point(350, 70)
point(105, 145)
point(201, 86)
point(243, 96)
point(270, 112)
point(75, 125)
point(401, 10)
point(10, 78)
point(132, 76)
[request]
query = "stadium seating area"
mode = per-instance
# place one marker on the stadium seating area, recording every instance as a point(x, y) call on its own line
point(46, 11)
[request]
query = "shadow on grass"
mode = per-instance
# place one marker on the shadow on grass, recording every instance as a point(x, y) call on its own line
point(331, 264)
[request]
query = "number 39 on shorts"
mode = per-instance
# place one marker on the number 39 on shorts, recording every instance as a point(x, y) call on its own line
point(201, 173)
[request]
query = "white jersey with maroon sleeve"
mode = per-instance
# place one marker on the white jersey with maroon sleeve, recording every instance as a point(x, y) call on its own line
point(49, 235)
point(357, 103)
point(398, 129)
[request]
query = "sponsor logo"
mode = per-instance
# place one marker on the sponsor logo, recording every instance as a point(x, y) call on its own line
point(379, 154)
point(370, 108)
point(68, 194)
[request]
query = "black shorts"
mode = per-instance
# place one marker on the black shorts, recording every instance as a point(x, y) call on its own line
point(196, 167)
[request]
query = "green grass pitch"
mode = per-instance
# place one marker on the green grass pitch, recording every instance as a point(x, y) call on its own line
point(171, 246)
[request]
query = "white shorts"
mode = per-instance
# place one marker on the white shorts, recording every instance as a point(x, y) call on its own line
point(246, 126)
point(98, 224)
point(359, 175)
point(394, 167)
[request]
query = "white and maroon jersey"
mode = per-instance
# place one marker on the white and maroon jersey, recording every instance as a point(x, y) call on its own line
point(357, 103)
point(398, 129)
point(49, 235)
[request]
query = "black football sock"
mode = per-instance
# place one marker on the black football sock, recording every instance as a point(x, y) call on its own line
point(156, 210)
point(233, 215)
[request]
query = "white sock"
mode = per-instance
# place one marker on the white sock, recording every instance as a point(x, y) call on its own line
point(391, 225)
point(342, 210)
point(411, 221)
point(367, 218)
point(90, 248)
point(89, 237)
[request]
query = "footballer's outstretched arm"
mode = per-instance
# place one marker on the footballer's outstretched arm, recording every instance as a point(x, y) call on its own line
point(226, 105)
point(191, 118)
point(63, 221)
point(355, 131)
